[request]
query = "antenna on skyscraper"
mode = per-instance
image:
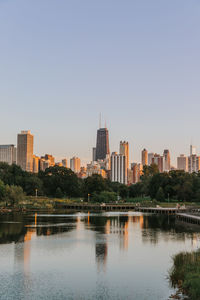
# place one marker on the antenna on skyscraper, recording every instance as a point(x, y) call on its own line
point(100, 120)
point(105, 124)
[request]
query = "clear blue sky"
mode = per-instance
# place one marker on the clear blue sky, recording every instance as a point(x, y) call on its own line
point(63, 62)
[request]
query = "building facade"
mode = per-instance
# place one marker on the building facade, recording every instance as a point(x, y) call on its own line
point(64, 162)
point(158, 160)
point(124, 150)
point(102, 145)
point(75, 164)
point(25, 150)
point(8, 154)
point(95, 168)
point(166, 161)
point(144, 158)
point(193, 163)
point(150, 158)
point(118, 168)
point(182, 163)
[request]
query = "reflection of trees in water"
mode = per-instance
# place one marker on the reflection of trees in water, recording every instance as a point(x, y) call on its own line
point(156, 226)
point(101, 253)
point(12, 229)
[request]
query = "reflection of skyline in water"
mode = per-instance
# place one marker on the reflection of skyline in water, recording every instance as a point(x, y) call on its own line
point(106, 247)
point(22, 229)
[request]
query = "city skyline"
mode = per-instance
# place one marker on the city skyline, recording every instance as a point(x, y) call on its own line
point(192, 149)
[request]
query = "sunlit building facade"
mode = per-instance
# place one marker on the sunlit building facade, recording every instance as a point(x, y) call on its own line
point(118, 168)
point(8, 154)
point(75, 164)
point(182, 163)
point(144, 157)
point(25, 150)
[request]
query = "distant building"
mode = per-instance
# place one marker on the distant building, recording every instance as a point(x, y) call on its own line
point(75, 164)
point(94, 154)
point(150, 158)
point(137, 170)
point(95, 168)
point(105, 163)
point(83, 173)
point(102, 145)
point(144, 159)
point(118, 168)
point(193, 150)
point(8, 154)
point(36, 161)
point(50, 158)
point(64, 162)
point(25, 151)
point(44, 164)
point(182, 163)
point(166, 161)
point(158, 160)
point(193, 163)
point(124, 150)
point(130, 177)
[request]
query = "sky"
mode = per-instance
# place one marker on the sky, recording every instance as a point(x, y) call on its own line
point(137, 62)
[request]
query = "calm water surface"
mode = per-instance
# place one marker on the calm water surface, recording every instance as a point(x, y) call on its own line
point(90, 256)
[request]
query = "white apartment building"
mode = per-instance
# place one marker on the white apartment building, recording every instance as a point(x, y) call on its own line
point(8, 154)
point(118, 168)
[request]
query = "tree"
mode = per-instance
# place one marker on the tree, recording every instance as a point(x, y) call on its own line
point(2, 190)
point(58, 193)
point(14, 194)
point(123, 191)
point(160, 196)
point(94, 184)
point(105, 197)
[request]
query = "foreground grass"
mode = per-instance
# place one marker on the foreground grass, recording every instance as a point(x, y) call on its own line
point(31, 202)
point(185, 273)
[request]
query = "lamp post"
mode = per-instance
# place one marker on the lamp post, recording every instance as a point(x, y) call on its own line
point(88, 197)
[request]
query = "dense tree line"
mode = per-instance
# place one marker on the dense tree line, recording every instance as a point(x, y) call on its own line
point(60, 182)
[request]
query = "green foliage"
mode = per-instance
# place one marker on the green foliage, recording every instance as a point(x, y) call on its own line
point(58, 193)
point(94, 185)
point(160, 196)
point(123, 191)
point(2, 190)
point(105, 197)
point(186, 271)
point(62, 178)
point(13, 194)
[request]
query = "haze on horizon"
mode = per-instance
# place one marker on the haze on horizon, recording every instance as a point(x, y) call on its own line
point(137, 62)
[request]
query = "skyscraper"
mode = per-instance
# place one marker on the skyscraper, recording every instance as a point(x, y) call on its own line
point(118, 168)
point(150, 158)
point(192, 150)
point(144, 157)
point(182, 163)
point(8, 154)
point(102, 146)
point(166, 161)
point(75, 164)
point(25, 151)
point(124, 150)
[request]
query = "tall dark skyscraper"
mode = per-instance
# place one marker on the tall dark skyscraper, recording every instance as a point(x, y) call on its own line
point(102, 147)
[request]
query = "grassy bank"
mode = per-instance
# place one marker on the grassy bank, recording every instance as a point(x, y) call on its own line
point(30, 202)
point(185, 273)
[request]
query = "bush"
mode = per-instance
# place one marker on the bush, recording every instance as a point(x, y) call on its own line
point(186, 270)
point(105, 197)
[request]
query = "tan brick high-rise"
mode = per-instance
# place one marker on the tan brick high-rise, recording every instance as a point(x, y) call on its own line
point(25, 151)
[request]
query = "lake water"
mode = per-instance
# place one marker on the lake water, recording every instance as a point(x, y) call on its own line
point(90, 256)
